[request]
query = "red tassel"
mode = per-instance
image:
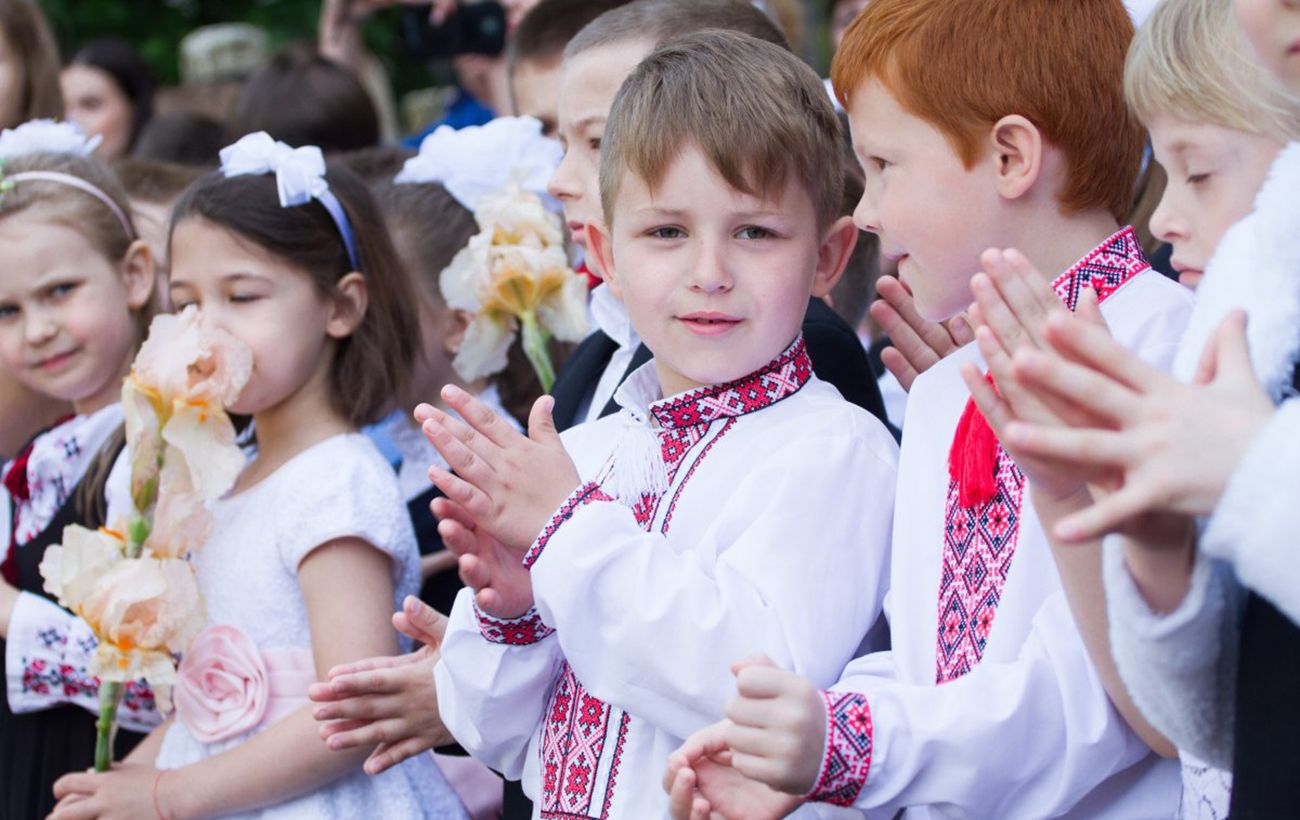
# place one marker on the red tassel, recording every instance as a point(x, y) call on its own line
point(973, 459)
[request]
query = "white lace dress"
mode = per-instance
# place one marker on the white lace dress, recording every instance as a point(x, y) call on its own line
point(248, 574)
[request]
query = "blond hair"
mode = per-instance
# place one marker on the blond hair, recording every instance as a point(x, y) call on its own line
point(753, 109)
point(1191, 60)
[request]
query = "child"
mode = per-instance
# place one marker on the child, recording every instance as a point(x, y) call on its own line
point(595, 63)
point(1217, 124)
point(75, 288)
point(583, 667)
point(1180, 615)
point(536, 52)
point(153, 188)
point(987, 704)
point(312, 548)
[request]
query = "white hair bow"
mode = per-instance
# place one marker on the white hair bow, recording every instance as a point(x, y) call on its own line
point(299, 177)
point(484, 159)
point(299, 172)
point(47, 137)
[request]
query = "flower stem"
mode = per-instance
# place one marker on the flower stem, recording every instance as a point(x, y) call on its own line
point(110, 694)
point(535, 338)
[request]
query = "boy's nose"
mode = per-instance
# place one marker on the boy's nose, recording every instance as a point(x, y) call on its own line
point(710, 272)
point(866, 217)
point(561, 184)
point(39, 328)
point(1165, 224)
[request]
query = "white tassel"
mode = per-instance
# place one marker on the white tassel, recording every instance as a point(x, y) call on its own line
point(637, 467)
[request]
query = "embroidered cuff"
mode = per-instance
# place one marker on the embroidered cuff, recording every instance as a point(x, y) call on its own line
point(584, 495)
point(525, 630)
point(847, 758)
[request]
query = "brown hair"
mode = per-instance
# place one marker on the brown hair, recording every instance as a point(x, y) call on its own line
point(661, 22)
point(24, 28)
point(158, 183)
point(757, 112)
point(71, 206)
point(303, 98)
point(548, 27)
point(1059, 64)
point(373, 364)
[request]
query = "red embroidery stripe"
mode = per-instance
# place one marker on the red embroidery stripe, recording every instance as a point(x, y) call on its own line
point(846, 761)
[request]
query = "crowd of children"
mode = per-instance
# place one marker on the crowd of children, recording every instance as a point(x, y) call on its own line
point(700, 576)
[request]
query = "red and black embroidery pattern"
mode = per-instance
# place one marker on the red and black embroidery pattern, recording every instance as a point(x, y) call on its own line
point(525, 630)
point(846, 761)
point(582, 737)
point(979, 539)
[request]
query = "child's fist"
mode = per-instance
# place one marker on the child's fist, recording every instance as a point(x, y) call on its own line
point(778, 726)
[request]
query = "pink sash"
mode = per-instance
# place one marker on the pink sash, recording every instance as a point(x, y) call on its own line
point(227, 686)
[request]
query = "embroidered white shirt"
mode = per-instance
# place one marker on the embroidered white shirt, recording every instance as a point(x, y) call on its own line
point(769, 538)
point(1029, 731)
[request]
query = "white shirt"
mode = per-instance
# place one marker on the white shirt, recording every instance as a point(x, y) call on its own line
point(1029, 731)
point(770, 538)
point(609, 314)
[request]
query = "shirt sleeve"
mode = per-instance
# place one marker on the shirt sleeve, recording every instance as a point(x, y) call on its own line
point(1180, 667)
point(1025, 738)
point(652, 626)
point(493, 681)
point(1253, 526)
point(47, 660)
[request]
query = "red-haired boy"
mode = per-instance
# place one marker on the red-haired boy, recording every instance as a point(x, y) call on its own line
point(979, 123)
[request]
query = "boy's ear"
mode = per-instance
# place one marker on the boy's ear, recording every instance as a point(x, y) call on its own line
point(139, 274)
point(1018, 147)
point(351, 297)
point(833, 256)
point(602, 252)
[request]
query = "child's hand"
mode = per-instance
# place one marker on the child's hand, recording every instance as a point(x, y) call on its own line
point(778, 726)
point(918, 342)
point(509, 484)
point(125, 792)
point(1174, 446)
point(502, 586)
point(1012, 304)
point(702, 785)
point(387, 703)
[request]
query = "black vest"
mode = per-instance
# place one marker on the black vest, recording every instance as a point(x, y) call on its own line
point(1266, 758)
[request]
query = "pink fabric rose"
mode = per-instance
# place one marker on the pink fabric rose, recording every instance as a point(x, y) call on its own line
point(227, 686)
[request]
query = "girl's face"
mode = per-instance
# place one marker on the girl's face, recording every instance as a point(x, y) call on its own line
point(1214, 174)
point(67, 323)
point(1273, 28)
point(95, 102)
point(12, 77)
point(438, 326)
point(262, 300)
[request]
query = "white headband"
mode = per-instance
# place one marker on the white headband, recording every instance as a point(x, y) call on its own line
point(299, 177)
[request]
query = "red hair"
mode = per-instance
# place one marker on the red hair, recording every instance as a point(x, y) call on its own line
point(962, 65)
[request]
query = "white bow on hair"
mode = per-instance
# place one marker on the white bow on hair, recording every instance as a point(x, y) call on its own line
point(483, 159)
point(299, 172)
point(47, 137)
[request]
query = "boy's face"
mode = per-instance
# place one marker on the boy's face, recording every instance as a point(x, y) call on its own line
point(536, 87)
point(588, 84)
point(715, 280)
point(1214, 174)
point(934, 217)
point(1273, 28)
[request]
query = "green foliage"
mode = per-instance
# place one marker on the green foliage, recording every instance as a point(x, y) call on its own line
point(156, 27)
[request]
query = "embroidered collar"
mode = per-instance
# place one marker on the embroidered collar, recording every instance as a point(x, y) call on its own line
point(1105, 269)
point(975, 451)
point(782, 377)
point(58, 459)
